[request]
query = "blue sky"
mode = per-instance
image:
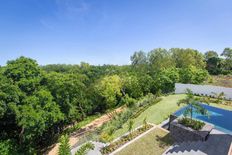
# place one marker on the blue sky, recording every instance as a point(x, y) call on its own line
point(109, 31)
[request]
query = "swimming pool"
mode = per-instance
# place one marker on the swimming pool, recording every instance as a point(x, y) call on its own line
point(220, 118)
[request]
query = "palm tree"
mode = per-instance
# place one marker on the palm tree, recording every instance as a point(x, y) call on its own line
point(64, 148)
point(219, 96)
point(192, 105)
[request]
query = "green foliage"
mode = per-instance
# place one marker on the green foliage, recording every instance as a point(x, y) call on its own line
point(194, 124)
point(128, 101)
point(185, 58)
point(124, 139)
point(83, 150)
point(109, 89)
point(211, 54)
point(64, 148)
point(38, 102)
point(6, 147)
point(165, 80)
point(130, 125)
point(145, 122)
point(193, 75)
point(138, 58)
point(160, 59)
point(131, 86)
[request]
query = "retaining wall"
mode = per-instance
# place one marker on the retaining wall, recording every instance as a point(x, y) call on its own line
point(206, 90)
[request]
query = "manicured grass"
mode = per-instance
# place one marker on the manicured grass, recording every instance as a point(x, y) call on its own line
point(153, 143)
point(156, 113)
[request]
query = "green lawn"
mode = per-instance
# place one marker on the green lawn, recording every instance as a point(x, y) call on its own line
point(155, 143)
point(156, 113)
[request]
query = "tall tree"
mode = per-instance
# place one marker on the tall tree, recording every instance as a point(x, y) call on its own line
point(138, 58)
point(227, 53)
point(160, 59)
point(211, 54)
point(109, 89)
point(187, 57)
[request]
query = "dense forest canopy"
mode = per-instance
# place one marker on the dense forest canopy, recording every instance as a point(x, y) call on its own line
point(38, 102)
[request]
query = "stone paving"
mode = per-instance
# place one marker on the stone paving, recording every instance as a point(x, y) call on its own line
point(218, 143)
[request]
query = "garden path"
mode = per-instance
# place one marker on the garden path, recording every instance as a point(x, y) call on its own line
point(73, 139)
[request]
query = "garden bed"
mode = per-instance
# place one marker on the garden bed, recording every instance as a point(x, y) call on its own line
point(194, 124)
point(124, 139)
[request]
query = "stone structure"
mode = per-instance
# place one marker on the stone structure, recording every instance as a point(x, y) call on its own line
point(206, 90)
point(181, 133)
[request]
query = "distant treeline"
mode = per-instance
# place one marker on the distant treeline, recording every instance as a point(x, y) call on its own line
point(38, 102)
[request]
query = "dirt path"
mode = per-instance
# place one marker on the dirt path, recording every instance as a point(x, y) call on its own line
point(73, 139)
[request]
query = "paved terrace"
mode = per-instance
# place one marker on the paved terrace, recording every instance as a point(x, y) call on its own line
point(218, 143)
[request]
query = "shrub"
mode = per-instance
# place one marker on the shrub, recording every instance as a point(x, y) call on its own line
point(84, 148)
point(105, 137)
point(124, 139)
point(194, 124)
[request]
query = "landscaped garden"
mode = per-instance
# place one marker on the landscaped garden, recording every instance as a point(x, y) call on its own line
point(155, 113)
point(155, 142)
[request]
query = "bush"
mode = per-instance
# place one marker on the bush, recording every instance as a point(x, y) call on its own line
point(105, 137)
point(194, 124)
point(84, 148)
point(124, 139)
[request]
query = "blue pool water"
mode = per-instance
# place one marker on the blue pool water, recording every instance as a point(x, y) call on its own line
point(220, 118)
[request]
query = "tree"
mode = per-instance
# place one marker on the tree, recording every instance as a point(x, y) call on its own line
point(192, 105)
point(138, 58)
point(210, 54)
point(219, 97)
point(131, 86)
point(64, 148)
point(69, 93)
point(227, 53)
point(165, 80)
point(109, 89)
point(214, 65)
point(185, 58)
point(27, 108)
point(192, 75)
point(160, 59)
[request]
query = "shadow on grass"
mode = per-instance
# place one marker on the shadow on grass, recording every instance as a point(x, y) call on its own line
point(164, 141)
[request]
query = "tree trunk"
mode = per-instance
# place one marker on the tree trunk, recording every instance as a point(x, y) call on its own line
point(21, 136)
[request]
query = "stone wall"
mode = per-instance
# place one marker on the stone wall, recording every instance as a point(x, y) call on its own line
point(203, 89)
point(181, 133)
